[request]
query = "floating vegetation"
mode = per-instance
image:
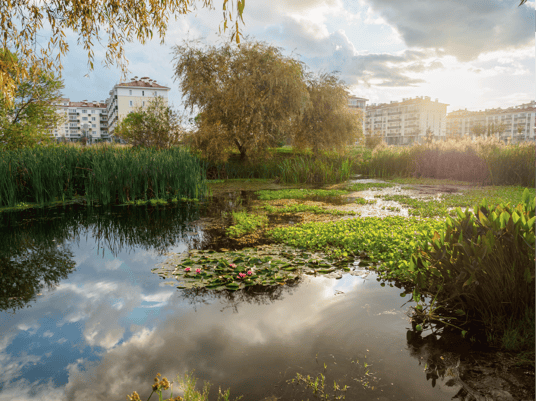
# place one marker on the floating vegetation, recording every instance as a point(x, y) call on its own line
point(315, 209)
point(245, 223)
point(390, 240)
point(298, 193)
point(155, 202)
point(363, 201)
point(261, 266)
point(363, 186)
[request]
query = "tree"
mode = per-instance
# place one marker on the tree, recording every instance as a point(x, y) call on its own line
point(495, 128)
point(374, 139)
point(478, 129)
point(248, 96)
point(28, 119)
point(429, 135)
point(156, 125)
point(122, 22)
point(327, 123)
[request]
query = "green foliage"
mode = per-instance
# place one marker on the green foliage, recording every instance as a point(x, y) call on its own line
point(483, 262)
point(106, 175)
point(388, 242)
point(299, 208)
point(363, 201)
point(261, 266)
point(298, 193)
point(328, 123)
point(27, 120)
point(156, 125)
point(248, 96)
point(245, 223)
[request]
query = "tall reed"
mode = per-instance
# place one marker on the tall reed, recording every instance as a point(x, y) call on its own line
point(482, 161)
point(102, 174)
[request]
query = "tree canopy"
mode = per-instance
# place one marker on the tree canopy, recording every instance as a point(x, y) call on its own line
point(248, 96)
point(121, 21)
point(329, 123)
point(156, 125)
point(27, 120)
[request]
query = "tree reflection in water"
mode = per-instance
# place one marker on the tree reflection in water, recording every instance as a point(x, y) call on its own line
point(255, 295)
point(35, 244)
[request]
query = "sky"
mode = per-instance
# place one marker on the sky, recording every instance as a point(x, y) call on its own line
point(469, 54)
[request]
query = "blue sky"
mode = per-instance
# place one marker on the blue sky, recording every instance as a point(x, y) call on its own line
point(472, 54)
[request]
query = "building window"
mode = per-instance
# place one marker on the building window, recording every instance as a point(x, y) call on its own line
point(130, 103)
point(84, 111)
point(93, 126)
point(143, 103)
point(93, 118)
point(154, 94)
point(143, 93)
point(130, 92)
point(84, 118)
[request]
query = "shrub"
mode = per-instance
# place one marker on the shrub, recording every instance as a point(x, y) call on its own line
point(483, 263)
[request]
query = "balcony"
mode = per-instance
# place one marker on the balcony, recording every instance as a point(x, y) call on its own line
point(395, 113)
point(395, 119)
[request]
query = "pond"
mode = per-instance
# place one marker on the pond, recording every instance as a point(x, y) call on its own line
point(83, 317)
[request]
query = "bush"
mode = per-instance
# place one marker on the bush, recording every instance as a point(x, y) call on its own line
point(483, 264)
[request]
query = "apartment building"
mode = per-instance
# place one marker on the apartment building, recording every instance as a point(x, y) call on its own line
point(127, 96)
point(515, 124)
point(406, 122)
point(81, 119)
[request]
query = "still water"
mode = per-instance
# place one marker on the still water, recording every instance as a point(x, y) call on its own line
point(82, 317)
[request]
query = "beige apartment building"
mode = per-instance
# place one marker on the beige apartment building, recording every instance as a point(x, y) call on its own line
point(81, 119)
point(515, 124)
point(127, 96)
point(406, 122)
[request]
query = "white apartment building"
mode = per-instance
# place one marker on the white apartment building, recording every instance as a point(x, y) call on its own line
point(406, 122)
point(81, 119)
point(126, 96)
point(516, 123)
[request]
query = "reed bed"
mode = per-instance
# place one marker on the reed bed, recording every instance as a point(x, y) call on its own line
point(106, 175)
point(482, 161)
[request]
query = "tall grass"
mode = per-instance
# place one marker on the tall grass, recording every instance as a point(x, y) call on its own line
point(482, 161)
point(101, 174)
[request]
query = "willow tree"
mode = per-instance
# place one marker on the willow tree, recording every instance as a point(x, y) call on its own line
point(328, 123)
point(28, 119)
point(121, 21)
point(248, 96)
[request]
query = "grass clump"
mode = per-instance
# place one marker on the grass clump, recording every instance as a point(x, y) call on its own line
point(298, 193)
point(363, 201)
point(187, 385)
point(301, 208)
point(483, 263)
point(245, 223)
point(389, 242)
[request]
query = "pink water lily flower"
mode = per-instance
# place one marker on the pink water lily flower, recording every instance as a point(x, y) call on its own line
point(241, 275)
point(198, 270)
point(232, 265)
point(187, 269)
point(250, 273)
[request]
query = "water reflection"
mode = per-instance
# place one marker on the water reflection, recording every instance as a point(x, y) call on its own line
point(254, 295)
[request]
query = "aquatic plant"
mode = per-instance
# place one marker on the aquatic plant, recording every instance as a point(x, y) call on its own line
point(364, 186)
point(315, 209)
point(245, 223)
point(483, 263)
point(260, 266)
point(298, 193)
point(187, 385)
point(389, 242)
